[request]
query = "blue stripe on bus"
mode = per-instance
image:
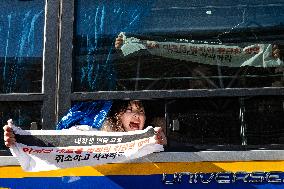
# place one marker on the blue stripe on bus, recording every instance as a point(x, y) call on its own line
point(118, 182)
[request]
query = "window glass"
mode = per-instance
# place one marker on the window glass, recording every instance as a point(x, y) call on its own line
point(226, 123)
point(264, 120)
point(197, 122)
point(21, 45)
point(178, 45)
point(22, 113)
point(96, 25)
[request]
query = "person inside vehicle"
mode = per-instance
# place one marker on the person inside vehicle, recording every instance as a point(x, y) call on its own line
point(124, 116)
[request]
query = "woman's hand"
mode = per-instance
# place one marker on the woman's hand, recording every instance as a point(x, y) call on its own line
point(275, 51)
point(9, 136)
point(118, 41)
point(160, 136)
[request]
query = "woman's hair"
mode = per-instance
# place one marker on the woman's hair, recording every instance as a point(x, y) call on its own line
point(113, 122)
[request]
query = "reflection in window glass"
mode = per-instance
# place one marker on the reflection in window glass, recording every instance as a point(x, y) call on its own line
point(21, 45)
point(22, 113)
point(178, 45)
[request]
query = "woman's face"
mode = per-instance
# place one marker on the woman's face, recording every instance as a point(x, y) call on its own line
point(133, 118)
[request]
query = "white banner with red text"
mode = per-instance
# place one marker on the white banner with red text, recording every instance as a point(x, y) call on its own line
point(44, 150)
point(256, 55)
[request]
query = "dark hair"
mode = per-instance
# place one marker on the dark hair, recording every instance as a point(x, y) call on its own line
point(122, 105)
point(117, 109)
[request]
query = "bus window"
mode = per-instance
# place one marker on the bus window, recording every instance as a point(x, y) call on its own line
point(200, 60)
point(154, 111)
point(177, 45)
point(21, 63)
point(264, 120)
point(21, 46)
point(225, 123)
point(216, 123)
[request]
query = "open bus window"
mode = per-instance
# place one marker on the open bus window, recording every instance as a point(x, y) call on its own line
point(231, 123)
point(177, 45)
point(24, 115)
point(193, 124)
point(153, 112)
point(21, 46)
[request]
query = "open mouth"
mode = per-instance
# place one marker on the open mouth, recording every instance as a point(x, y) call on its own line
point(134, 125)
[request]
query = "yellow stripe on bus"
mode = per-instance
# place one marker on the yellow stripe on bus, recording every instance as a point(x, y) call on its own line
point(147, 169)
